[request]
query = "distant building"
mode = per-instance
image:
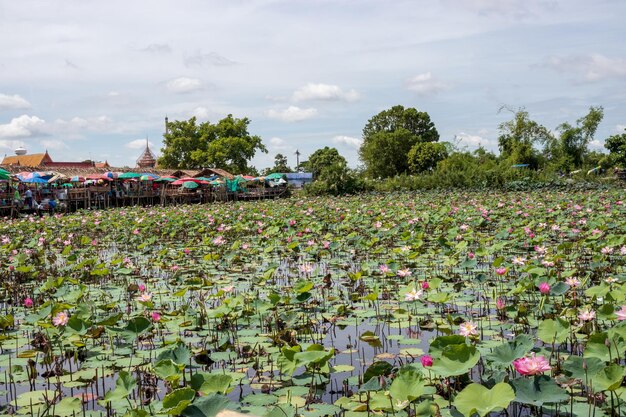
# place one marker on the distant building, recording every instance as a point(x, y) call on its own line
point(298, 179)
point(147, 158)
point(21, 158)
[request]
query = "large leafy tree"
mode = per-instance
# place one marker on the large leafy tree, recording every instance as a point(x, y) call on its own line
point(281, 165)
point(226, 144)
point(518, 138)
point(572, 145)
point(616, 145)
point(424, 156)
point(389, 136)
point(322, 160)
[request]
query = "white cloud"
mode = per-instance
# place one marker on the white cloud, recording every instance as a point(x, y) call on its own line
point(13, 102)
point(596, 144)
point(201, 112)
point(324, 92)
point(212, 58)
point(184, 85)
point(277, 142)
point(53, 144)
point(139, 144)
point(76, 126)
point(514, 8)
point(22, 126)
point(292, 114)
point(425, 84)
point(348, 140)
point(157, 48)
point(590, 68)
point(620, 128)
point(11, 144)
point(471, 140)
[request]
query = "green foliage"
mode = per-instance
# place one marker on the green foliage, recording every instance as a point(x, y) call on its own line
point(571, 147)
point(477, 399)
point(518, 138)
point(280, 165)
point(226, 144)
point(616, 145)
point(424, 156)
point(389, 136)
point(331, 173)
point(538, 391)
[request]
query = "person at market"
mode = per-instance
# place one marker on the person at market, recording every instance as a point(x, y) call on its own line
point(28, 198)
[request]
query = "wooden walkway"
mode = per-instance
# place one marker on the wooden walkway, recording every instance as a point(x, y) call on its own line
point(104, 197)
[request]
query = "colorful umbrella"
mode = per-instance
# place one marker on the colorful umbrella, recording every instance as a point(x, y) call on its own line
point(146, 178)
point(77, 179)
point(110, 174)
point(190, 185)
point(149, 175)
point(128, 175)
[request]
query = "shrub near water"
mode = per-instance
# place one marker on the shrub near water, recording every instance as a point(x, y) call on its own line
point(455, 303)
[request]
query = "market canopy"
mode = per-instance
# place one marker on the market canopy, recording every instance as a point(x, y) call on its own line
point(165, 179)
point(128, 175)
point(190, 185)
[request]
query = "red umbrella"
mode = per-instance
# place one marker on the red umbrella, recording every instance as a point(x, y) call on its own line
point(183, 180)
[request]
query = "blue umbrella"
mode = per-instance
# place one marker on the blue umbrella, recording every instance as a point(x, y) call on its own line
point(35, 180)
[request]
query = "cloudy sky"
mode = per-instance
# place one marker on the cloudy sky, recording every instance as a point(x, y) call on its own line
point(94, 79)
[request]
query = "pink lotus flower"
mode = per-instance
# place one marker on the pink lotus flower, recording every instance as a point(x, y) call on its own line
point(326, 244)
point(219, 241)
point(28, 302)
point(142, 287)
point(518, 260)
point(621, 314)
point(426, 360)
point(187, 251)
point(532, 366)
point(145, 297)
point(573, 282)
point(586, 315)
point(471, 255)
point(61, 318)
point(175, 268)
point(155, 316)
point(500, 304)
point(469, 328)
point(406, 272)
point(544, 288)
point(501, 271)
point(413, 295)
point(136, 231)
point(425, 285)
point(384, 269)
point(229, 288)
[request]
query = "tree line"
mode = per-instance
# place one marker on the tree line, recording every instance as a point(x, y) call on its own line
point(403, 143)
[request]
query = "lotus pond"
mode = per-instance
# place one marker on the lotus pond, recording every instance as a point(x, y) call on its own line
point(428, 304)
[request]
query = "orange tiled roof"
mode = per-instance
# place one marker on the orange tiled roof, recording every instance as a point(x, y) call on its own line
point(32, 160)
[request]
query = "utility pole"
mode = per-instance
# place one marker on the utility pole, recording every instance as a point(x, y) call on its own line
point(297, 160)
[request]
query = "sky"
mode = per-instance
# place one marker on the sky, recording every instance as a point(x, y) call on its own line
point(94, 79)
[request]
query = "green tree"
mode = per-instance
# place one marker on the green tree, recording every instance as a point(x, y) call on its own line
point(518, 138)
point(389, 136)
point(280, 165)
point(616, 145)
point(226, 144)
point(184, 143)
point(424, 156)
point(323, 159)
point(571, 146)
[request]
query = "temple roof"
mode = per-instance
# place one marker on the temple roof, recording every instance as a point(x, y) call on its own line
point(147, 158)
